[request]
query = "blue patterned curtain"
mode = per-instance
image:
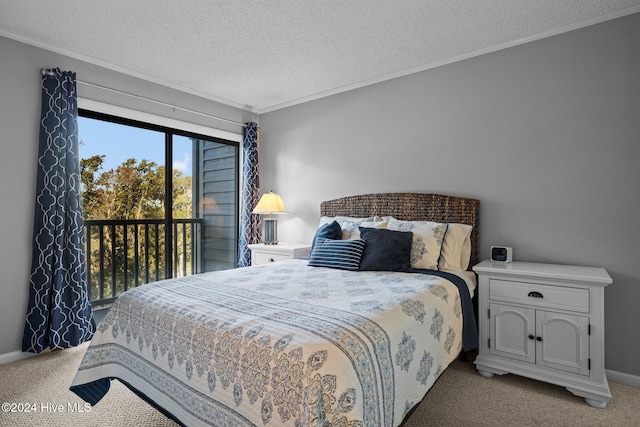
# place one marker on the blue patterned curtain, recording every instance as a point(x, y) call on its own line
point(59, 313)
point(249, 223)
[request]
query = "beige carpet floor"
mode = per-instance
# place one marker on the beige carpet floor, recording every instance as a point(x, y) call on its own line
point(460, 397)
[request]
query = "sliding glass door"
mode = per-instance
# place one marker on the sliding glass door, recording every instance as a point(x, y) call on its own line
point(147, 221)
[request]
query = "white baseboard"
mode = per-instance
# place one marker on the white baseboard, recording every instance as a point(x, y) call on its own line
point(14, 356)
point(622, 378)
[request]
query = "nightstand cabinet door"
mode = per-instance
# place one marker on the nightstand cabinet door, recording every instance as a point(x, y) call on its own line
point(554, 340)
point(512, 332)
point(564, 342)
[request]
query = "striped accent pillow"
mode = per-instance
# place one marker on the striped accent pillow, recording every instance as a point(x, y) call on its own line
point(342, 254)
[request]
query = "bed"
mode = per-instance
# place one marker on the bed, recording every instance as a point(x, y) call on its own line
point(296, 342)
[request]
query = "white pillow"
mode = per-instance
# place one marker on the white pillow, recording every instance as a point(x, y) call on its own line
point(456, 248)
point(340, 219)
point(349, 225)
point(428, 238)
point(351, 230)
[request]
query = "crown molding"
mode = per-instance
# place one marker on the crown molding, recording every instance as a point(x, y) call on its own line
point(125, 71)
point(456, 58)
point(324, 94)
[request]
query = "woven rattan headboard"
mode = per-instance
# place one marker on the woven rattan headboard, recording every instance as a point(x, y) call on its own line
point(410, 207)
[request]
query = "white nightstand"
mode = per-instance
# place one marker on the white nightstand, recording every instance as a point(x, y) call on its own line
point(544, 321)
point(263, 254)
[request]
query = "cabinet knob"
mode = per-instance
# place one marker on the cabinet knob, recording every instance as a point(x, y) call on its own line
point(534, 294)
point(531, 337)
point(539, 339)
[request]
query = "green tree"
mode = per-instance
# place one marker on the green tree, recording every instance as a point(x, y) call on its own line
point(182, 195)
point(90, 191)
point(131, 191)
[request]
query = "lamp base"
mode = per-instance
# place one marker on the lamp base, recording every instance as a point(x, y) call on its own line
point(270, 231)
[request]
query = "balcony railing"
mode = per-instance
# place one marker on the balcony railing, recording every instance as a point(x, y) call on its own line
point(122, 254)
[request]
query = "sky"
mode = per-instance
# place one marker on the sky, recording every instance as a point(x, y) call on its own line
point(120, 142)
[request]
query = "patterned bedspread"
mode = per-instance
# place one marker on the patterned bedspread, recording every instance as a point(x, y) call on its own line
point(279, 344)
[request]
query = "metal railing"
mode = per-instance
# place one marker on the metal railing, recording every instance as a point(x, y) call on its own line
point(122, 254)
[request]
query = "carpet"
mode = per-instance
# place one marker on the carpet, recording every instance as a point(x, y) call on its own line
point(460, 397)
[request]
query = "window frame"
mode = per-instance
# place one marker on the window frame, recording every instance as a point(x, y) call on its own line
point(127, 117)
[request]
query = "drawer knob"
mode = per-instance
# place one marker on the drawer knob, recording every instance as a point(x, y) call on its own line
point(535, 294)
point(272, 260)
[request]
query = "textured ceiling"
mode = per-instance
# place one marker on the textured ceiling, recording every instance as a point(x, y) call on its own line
point(265, 55)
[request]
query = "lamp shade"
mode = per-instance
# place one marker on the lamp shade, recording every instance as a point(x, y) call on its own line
point(270, 203)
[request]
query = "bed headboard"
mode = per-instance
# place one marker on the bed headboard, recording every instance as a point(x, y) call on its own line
point(411, 207)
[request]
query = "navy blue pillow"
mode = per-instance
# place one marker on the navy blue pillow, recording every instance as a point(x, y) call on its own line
point(342, 254)
point(386, 250)
point(330, 230)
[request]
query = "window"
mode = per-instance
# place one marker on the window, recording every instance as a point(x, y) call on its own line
point(144, 224)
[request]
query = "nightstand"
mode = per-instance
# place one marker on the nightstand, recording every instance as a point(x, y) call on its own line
point(263, 254)
point(546, 322)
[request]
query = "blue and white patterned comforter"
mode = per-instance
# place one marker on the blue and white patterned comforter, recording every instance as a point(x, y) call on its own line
point(279, 344)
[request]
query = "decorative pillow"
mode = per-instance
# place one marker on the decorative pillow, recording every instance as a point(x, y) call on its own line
point(427, 241)
point(378, 222)
point(350, 229)
point(386, 250)
point(348, 224)
point(341, 219)
point(331, 231)
point(342, 254)
point(456, 247)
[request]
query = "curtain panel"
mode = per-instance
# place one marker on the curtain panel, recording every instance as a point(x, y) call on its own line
point(249, 223)
point(59, 311)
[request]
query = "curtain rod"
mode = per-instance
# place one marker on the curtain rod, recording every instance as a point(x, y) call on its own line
point(46, 72)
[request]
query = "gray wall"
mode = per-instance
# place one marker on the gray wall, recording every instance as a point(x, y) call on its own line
point(19, 116)
point(546, 135)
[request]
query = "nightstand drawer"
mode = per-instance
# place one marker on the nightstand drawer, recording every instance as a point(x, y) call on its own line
point(560, 297)
point(264, 258)
point(264, 254)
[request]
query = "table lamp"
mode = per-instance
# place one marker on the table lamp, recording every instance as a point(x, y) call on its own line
point(270, 203)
